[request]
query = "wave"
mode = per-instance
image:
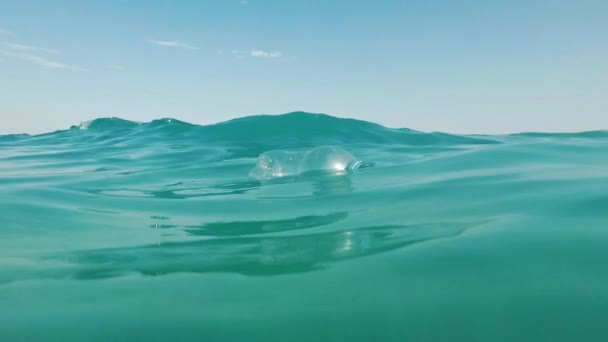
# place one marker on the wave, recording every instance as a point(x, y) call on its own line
point(262, 218)
point(599, 134)
point(296, 129)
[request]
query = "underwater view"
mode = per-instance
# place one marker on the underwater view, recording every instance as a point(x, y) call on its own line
point(301, 227)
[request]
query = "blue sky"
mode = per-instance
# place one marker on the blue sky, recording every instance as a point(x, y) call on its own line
point(453, 66)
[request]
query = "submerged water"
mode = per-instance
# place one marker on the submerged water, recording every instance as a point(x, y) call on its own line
point(116, 230)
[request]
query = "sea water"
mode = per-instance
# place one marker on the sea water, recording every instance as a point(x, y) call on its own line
point(267, 228)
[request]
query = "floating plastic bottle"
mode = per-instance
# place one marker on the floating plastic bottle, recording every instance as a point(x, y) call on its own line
point(280, 163)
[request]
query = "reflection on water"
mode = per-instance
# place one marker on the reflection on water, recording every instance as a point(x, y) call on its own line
point(253, 255)
point(259, 227)
point(333, 184)
point(181, 190)
point(322, 184)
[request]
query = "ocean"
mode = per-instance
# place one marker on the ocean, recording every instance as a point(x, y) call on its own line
point(301, 227)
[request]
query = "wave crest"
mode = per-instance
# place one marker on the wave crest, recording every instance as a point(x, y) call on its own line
point(290, 130)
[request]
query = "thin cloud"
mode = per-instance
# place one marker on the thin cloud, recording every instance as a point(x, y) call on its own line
point(28, 57)
point(4, 32)
point(239, 54)
point(264, 54)
point(115, 67)
point(172, 43)
point(29, 48)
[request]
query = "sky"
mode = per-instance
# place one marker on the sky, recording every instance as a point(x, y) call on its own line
point(453, 66)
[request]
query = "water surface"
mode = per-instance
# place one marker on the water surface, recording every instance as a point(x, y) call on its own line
point(117, 230)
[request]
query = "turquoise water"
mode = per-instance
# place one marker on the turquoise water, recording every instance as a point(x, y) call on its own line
point(341, 230)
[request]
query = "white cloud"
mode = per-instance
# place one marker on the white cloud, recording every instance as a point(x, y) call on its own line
point(29, 48)
point(264, 54)
point(172, 43)
point(115, 67)
point(28, 57)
